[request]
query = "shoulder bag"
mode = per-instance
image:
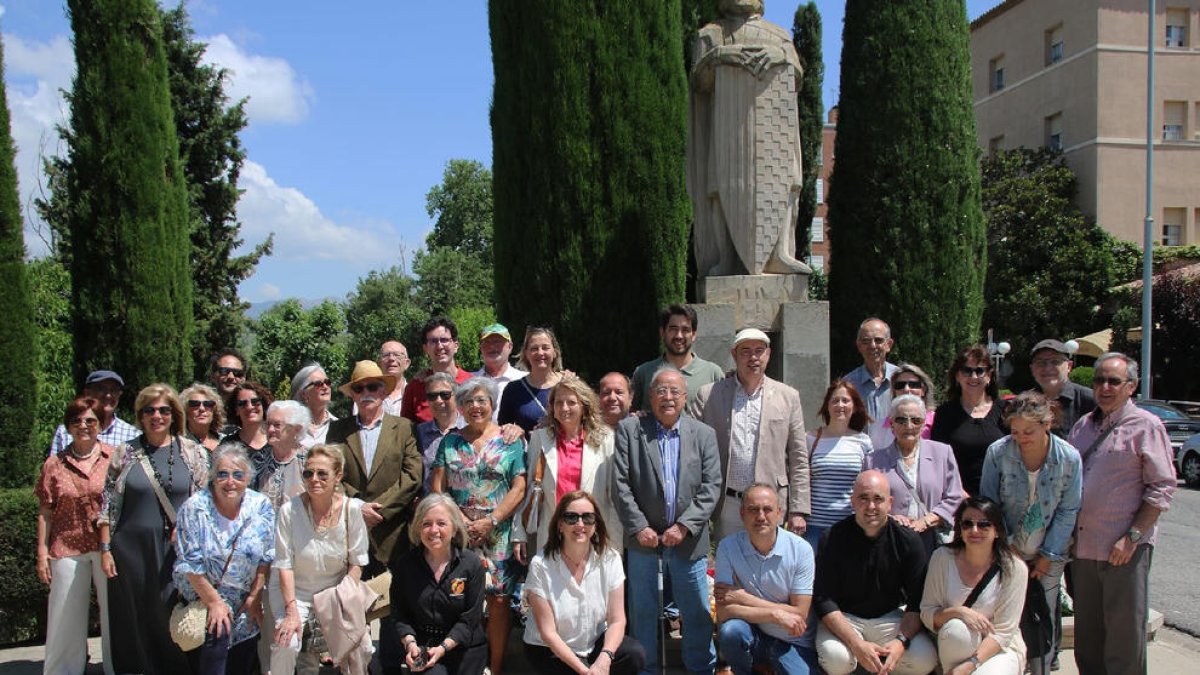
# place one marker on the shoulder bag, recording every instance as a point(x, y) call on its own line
point(189, 619)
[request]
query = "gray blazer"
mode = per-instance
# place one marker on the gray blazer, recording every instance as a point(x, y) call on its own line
point(638, 483)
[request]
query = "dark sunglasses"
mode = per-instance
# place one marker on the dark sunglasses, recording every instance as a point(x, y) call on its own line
point(164, 410)
point(319, 383)
point(236, 372)
point(570, 518)
point(977, 371)
point(968, 524)
point(85, 421)
point(247, 402)
point(207, 405)
point(911, 421)
point(237, 475)
point(1110, 381)
point(907, 384)
point(370, 386)
point(307, 474)
point(435, 395)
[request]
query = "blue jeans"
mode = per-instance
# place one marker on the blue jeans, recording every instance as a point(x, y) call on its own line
point(813, 536)
point(743, 645)
point(689, 580)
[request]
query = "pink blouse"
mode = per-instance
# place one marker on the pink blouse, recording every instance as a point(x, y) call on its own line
point(71, 489)
point(570, 466)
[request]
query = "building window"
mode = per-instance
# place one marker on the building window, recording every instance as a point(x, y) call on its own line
point(1054, 132)
point(820, 190)
point(1054, 45)
point(996, 74)
point(1177, 21)
point(995, 145)
point(1172, 230)
point(818, 231)
point(1174, 120)
point(817, 262)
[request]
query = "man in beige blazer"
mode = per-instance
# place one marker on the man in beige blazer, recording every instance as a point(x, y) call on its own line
point(760, 435)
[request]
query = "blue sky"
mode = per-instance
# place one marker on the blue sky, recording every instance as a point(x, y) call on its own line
point(354, 110)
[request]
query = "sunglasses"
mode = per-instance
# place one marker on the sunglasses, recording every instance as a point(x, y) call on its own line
point(968, 524)
point(196, 405)
point(236, 372)
point(370, 386)
point(977, 371)
point(85, 421)
point(435, 395)
point(906, 384)
point(1110, 381)
point(164, 410)
point(321, 474)
point(319, 383)
point(571, 518)
point(247, 402)
point(237, 475)
point(908, 421)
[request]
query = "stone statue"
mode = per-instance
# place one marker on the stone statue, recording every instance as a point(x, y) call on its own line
point(744, 173)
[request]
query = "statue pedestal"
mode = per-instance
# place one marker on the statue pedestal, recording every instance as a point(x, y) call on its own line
point(778, 305)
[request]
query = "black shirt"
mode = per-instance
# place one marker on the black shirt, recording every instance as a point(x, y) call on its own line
point(1074, 401)
point(432, 610)
point(869, 577)
point(969, 437)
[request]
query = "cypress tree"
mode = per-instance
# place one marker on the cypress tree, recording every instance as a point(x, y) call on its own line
point(589, 120)
point(18, 352)
point(904, 205)
point(806, 36)
point(128, 224)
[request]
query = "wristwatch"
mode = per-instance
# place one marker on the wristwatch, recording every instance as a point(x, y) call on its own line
point(975, 660)
point(609, 653)
point(495, 523)
point(905, 641)
point(1134, 534)
point(106, 547)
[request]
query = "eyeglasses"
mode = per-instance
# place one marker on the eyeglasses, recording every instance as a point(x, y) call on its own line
point(237, 475)
point(370, 386)
point(908, 421)
point(392, 355)
point(85, 421)
point(748, 352)
point(977, 371)
point(207, 405)
point(982, 525)
point(164, 410)
point(248, 402)
point(1052, 363)
point(319, 383)
point(433, 342)
point(907, 384)
point(321, 474)
point(571, 518)
point(668, 391)
point(872, 341)
point(1099, 381)
point(478, 401)
point(435, 395)
point(236, 372)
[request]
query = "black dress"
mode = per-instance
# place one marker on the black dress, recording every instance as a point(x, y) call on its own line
point(969, 437)
point(140, 596)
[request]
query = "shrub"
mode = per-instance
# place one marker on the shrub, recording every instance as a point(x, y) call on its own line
point(22, 595)
point(1082, 375)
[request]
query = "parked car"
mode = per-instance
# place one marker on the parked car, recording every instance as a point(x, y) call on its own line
point(1187, 461)
point(1185, 438)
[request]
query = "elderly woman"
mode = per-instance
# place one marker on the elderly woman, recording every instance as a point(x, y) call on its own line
point(205, 415)
point(837, 454)
point(910, 379)
point(148, 480)
point(974, 594)
point(486, 477)
point(1037, 478)
point(278, 476)
point(439, 391)
point(572, 450)
point(576, 591)
point(250, 402)
point(226, 542)
point(320, 538)
point(526, 401)
point(437, 594)
point(312, 388)
point(922, 474)
point(68, 540)
point(973, 418)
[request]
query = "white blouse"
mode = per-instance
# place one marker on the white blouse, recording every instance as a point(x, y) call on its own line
point(318, 559)
point(580, 608)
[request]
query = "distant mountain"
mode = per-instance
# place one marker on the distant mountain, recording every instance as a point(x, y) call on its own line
point(257, 308)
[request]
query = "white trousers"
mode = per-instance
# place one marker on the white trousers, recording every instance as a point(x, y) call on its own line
point(289, 659)
point(836, 658)
point(956, 643)
point(71, 581)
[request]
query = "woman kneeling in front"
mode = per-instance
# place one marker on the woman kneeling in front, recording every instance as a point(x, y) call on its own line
point(576, 590)
point(974, 594)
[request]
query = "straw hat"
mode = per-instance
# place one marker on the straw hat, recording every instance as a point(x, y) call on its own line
point(368, 370)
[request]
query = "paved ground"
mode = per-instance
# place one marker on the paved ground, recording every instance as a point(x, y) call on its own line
point(1174, 577)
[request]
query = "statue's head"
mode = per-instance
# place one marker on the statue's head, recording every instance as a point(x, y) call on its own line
point(740, 7)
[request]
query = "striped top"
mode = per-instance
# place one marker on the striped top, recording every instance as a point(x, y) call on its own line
point(834, 464)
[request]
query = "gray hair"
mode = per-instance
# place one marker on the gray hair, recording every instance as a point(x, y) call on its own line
point(301, 378)
point(444, 378)
point(456, 518)
point(926, 382)
point(472, 385)
point(234, 452)
point(668, 369)
point(294, 414)
point(1131, 366)
point(905, 399)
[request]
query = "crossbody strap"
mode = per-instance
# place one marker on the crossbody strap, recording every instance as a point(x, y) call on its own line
point(168, 509)
point(987, 579)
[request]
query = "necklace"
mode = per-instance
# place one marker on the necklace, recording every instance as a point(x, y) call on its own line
point(88, 455)
point(150, 450)
point(327, 519)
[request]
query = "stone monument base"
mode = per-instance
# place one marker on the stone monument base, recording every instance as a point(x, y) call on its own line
point(756, 299)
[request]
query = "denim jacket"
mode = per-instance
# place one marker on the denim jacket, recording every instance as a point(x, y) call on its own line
point(1059, 488)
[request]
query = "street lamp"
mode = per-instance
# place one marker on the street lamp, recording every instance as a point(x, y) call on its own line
point(997, 351)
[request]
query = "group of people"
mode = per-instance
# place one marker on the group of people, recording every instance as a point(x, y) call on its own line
point(897, 535)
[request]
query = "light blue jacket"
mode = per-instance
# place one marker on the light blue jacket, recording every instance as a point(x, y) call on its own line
point(1059, 488)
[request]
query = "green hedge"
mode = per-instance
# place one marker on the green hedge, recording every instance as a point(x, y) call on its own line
point(1082, 375)
point(22, 595)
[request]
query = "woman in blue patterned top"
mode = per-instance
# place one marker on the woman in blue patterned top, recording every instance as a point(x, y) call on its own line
point(226, 543)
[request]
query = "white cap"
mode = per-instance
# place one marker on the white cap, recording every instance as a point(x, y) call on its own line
point(748, 334)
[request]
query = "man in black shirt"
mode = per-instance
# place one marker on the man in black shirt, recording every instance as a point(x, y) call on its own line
point(867, 594)
point(1051, 366)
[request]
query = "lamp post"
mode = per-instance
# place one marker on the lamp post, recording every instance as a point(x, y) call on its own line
point(1148, 234)
point(997, 351)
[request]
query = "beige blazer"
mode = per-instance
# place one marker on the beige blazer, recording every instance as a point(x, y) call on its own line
point(595, 477)
point(782, 458)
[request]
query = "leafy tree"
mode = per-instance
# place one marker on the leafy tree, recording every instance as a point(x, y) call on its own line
point(806, 36)
point(908, 232)
point(18, 352)
point(50, 287)
point(469, 321)
point(588, 129)
point(462, 207)
point(383, 307)
point(126, 201)
point(211, 154)
point(449, 278)
point(1049, 266)
point(287, 336)
point(1175, 315)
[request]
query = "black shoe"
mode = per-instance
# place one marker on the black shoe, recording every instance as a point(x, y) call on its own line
point(1054, 664)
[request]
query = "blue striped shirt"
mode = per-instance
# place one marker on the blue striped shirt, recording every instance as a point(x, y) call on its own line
point(668, 452)
point(834, 464)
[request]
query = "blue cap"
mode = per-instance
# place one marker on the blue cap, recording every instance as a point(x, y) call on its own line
point(97, 376)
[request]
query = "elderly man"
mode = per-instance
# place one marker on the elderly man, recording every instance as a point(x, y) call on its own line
point(439, 340)
point(495, 347)
point(383, 468)
point(760, 432)
point(104, 386)
point(393, 360)
point(764, 586)
point(1051, 365)
point(665, 484)
point(614, 398)
point(1128, 481)
point(873, 378)
point(677, 325)
point(870, 576)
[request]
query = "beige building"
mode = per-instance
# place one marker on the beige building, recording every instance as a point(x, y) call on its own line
point(820, 253)
point(1072, 74)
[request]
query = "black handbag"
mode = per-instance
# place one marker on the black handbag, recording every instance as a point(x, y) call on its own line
point(1037, 622)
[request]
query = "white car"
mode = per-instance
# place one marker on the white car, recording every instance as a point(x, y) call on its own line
point(1187, 461)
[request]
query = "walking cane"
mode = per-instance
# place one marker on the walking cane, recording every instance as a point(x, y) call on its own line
point(662, 632)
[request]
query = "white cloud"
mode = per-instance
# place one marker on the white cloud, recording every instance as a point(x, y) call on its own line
point(276, 92)
point(266, 292)
point(302, 232)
